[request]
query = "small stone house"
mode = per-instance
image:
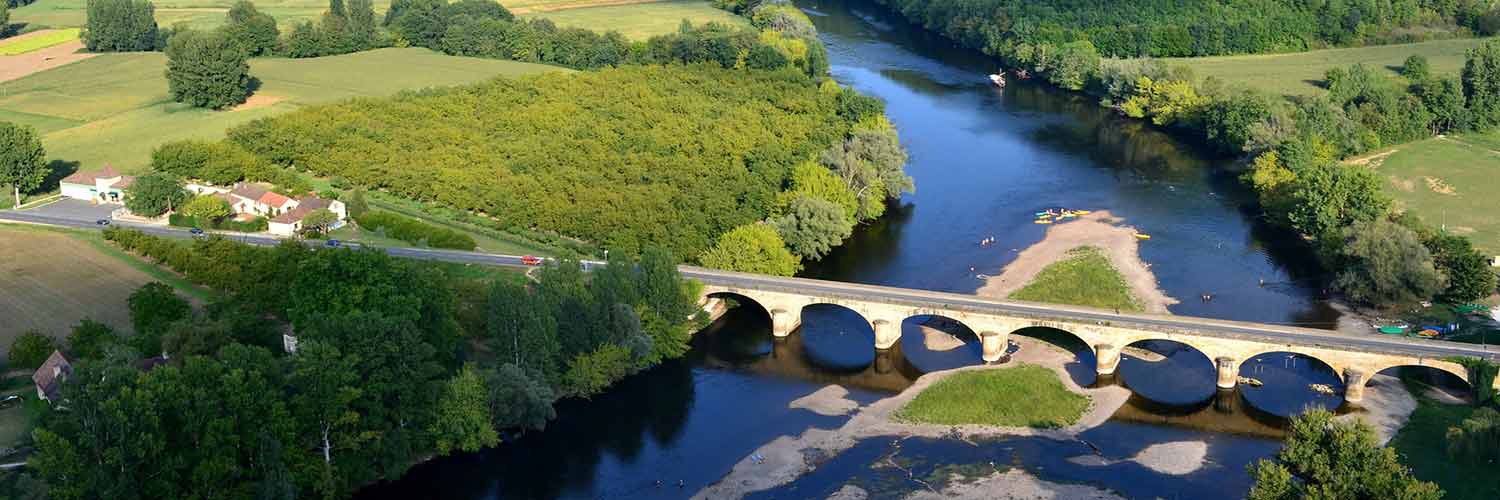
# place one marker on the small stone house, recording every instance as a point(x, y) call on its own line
point(50, 377)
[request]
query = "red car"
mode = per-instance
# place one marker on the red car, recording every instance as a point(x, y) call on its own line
point(531, 260)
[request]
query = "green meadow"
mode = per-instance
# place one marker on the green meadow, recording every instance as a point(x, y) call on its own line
point(637, 21)
point(1449, 182)
point(115, 108)
point(195, 13)
point(1301, 73)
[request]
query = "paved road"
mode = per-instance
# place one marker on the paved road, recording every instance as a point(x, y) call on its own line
point(922, 298)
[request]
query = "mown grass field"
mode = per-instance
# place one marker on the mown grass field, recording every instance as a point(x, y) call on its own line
point(1023, 396)
point(54, 278)
point(1451, 183)
point(195, 13)
point(115, 108)
point(21, 45)
point(1084, 278)
point(1302, 73)
point(636, 21)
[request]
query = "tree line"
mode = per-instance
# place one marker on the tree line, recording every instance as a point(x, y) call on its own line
point(395, 360)
point(1028, 30)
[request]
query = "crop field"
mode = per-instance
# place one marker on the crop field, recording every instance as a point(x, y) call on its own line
point(195, 13)
point(635, 20)
point(38, 40)
point(114, 107)
point(55, 278)
point(1450, 182)
point(1302, 73)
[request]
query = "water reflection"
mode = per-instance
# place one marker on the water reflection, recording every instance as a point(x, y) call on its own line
point(1290, 384)
point(1167, 372)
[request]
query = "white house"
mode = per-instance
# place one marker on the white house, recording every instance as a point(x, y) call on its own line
point(97, 186)
point(288, 223)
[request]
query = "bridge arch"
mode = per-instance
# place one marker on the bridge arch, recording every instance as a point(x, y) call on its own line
point(1290, 382)
point(729, 300)
point(1083, 369)
point(1168, 371)
point(836, 336)
point(934, 342)
point(1436, 377)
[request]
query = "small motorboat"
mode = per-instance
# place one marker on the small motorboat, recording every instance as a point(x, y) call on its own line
point(998, 80)
point(1142, 236)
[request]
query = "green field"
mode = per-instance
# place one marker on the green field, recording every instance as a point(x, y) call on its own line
point(1301, 73)
point(1022, 396)
point(195, 13)
point(1084, 278)
point(38, 41)
point(114, 107)
point(1449, 182)
point(1422, 444)
point(636, 21)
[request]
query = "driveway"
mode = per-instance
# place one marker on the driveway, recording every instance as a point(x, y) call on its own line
point(74, 210)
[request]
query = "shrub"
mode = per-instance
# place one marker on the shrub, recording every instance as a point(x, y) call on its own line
point(414, 231)
point(30, 350)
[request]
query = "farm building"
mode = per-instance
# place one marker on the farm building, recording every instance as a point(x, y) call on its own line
point(98, 186)
point(50, 376)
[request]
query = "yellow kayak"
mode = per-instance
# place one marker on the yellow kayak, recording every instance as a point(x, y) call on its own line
point(1081, 212)
point(1143, 236)
point(1042, 221)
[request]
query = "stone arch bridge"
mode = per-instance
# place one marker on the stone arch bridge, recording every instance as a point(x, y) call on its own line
point(1228, 343)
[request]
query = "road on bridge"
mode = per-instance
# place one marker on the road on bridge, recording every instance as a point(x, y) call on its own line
point(1434, 349)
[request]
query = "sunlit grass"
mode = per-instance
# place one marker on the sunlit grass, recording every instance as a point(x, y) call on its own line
point(1022, 396)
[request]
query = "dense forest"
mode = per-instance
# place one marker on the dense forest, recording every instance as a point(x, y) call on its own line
point(395, 360)
point(1017, 29)
point(670, 155)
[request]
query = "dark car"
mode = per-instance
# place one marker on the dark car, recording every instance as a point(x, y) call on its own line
point(102, 222)
point(196, 231)
point(332, 243)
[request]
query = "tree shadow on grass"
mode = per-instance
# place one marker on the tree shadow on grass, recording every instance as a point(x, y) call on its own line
point(57, 170)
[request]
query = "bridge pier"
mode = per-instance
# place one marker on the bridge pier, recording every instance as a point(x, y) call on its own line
point(995, 345)
point(1229, 371)
point(783, 322)
point(1354, 385)
point(1107, 358)
point(886, 333)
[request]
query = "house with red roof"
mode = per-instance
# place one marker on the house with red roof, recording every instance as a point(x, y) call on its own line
point(105, 185)
point(50, 377)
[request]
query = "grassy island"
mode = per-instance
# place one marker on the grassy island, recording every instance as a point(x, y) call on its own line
point(1084, 278)
point(1023, 396)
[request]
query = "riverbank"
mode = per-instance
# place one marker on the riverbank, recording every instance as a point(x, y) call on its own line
point(785, 459)
point(1102, 230)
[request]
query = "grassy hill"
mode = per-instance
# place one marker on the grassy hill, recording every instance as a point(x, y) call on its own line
point(114, 107)
point(635, 20)
point(1301, 73)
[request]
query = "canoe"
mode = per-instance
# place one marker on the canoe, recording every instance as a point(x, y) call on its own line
point(1081, 212)
point(1391, 330)
point(1143, 236)
point(998, 80)
point(1042, 221)
point(1427, 333)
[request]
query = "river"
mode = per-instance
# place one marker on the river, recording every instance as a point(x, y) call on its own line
point(984, 159)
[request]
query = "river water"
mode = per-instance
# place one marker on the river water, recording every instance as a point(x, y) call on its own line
point(984, 160)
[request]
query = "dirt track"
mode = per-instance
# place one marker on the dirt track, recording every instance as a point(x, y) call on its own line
point(1097, 229)
point(13, 67)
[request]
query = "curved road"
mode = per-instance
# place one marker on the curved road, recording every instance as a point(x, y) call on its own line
point(917, 298)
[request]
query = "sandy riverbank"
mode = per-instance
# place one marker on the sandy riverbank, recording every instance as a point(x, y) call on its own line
point(1098, 229)
point(785, 459)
